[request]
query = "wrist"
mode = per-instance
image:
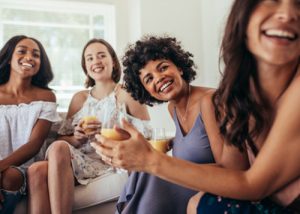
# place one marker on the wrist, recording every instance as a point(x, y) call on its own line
point(154, 162)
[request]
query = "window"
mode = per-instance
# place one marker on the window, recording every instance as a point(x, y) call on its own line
point(63, 27)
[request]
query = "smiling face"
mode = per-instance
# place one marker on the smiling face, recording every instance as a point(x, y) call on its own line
point(98, 62)
point(162, 79)
point(26, 60)
point(273, 32)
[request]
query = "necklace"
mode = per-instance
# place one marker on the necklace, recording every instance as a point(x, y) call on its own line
point(186, 107)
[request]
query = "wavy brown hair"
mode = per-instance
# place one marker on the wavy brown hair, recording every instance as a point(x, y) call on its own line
point(116, 73)
point(234, 102)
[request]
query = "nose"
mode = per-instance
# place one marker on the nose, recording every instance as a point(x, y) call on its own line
point(28, 56)
point(158, 77)
point(288, 11)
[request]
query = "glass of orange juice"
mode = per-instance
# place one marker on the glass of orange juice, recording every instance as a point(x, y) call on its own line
point(109, 122)
point(159, 141)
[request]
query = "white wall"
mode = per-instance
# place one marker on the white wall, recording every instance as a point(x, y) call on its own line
point(198, 24)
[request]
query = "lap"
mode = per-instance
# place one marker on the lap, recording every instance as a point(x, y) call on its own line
point(216, 204)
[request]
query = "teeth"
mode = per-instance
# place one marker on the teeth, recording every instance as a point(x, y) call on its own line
point(27, 64)
point(164, 86)
point(98, 69)
point(280, 33)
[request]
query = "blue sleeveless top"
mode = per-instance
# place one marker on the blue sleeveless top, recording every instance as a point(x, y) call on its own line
point(148, 194)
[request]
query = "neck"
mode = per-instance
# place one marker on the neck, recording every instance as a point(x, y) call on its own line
point(103, 89)
point(18, 87)
point(182, 104)
point(274, 80)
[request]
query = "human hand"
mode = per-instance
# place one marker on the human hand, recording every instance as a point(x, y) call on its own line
point(79, 134)
point(131, 154)
point(90, 125)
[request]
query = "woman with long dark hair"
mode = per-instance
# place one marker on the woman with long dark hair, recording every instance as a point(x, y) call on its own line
point(27, 109)
point(256, 109)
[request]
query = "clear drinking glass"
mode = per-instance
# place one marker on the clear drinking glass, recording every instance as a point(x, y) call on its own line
point(90, 116)
point(159, 141)
point(109, 121)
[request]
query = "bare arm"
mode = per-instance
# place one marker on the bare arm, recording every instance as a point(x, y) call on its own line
point(76, 104)
point(134, 107)
point(36, 140)
point(276, 165)
point(225, 155)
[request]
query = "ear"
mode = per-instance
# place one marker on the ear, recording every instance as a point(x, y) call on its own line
point(181, 72)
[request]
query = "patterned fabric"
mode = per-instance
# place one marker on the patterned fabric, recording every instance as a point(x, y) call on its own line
point(86, 163)
point(147, 194)
point(17, 122)
point(216, 204)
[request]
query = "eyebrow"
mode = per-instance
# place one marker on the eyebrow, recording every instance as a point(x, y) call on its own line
point(100, 52)
point(156, 67)
point(23, 46)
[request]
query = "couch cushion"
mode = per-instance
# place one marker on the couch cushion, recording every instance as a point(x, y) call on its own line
point(101, 190)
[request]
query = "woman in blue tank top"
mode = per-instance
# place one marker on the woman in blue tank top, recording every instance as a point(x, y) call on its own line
point(158, 70)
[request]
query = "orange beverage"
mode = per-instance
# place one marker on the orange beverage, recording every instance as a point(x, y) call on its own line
point(160, 144)
point(111, 134)
point(86, 121)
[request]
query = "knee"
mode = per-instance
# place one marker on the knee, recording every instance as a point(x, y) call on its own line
point(193, 203)
point(59, 152)
point(12, 179)
point(37, 174)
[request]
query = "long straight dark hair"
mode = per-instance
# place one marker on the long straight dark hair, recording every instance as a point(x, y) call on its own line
point(234, 102)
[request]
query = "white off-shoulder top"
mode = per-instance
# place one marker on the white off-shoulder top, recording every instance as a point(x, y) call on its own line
point(17, 122)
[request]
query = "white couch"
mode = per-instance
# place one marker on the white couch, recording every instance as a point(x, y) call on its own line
point(100, 196)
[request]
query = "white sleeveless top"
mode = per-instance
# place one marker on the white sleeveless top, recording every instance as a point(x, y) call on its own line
point(86, 163)
point(17, 122)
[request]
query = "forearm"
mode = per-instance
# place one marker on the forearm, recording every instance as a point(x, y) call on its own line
point(203, 177)
point(20, 156)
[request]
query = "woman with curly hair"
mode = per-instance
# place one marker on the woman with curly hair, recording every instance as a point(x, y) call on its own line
point(158, 70)
point(256, 109)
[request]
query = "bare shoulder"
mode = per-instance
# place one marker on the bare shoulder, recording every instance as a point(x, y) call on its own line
point(203, 96)
point(134, 107)
point(45, 95)
point(77, 102)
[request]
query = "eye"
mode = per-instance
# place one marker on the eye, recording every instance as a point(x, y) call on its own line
point(101, 56)
point(148, 79)
point(36, 55)
point(89, 59)
point(21, 51)
point(163, 68)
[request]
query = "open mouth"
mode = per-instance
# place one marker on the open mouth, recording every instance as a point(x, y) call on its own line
point(27, 65)
point(164, 86)
point(98, 69)
point(281, 34)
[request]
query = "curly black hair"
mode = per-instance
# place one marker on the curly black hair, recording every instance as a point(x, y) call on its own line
point(154, 48)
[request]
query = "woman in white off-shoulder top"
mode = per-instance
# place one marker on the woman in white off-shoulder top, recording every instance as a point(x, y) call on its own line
point(27, 108)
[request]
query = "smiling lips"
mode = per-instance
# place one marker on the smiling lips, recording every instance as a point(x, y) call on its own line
point(27, 65)
point(281, 34)
point(165, 86)
point(98, 69)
